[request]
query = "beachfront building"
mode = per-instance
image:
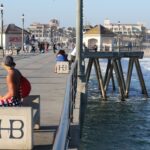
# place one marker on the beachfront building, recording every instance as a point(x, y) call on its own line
point(52, 32)
point(44, 32)
point(147, 38)
point(100, 37)
point(127, 33)
point(12, 36)
point(125, 29)
point(39, 30)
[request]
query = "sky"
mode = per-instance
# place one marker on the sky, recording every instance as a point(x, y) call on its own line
point(94, 11)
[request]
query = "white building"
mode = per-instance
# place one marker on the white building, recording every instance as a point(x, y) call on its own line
point(127, 33)
point(124, 29)
point(45, 32)
point(99, 36)
point(12, 36)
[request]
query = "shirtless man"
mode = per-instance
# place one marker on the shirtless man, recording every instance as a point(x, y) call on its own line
point(12, 96)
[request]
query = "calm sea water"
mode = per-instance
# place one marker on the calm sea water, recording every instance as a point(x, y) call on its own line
point(115, 124)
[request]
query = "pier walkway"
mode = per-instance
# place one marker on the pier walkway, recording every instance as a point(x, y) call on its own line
point(50, 86)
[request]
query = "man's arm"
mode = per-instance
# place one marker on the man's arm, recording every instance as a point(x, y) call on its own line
point(10, 88)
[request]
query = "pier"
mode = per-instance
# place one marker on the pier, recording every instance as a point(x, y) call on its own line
point(63, 96)
point(114, 64)
point(50, 86)
point(52, 116)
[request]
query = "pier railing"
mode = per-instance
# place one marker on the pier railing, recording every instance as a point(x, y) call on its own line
point(61, 140)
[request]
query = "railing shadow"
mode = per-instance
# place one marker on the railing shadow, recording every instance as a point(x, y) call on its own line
point(43, 147)
point(47, 132)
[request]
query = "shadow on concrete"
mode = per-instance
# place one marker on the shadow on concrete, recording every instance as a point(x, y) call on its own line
point(43, 147)
point(47, 129)
point(75, 137)
point(44, 137)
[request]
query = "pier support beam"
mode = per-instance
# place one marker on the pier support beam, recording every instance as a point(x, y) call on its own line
point(121, 73)
point(110, 75)
point(99, 77)
point(119, 78)
point(129, 74)
point(88, 71)
point(140, 75)
point(107, 70)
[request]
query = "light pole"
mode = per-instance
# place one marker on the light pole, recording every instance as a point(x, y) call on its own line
point(22, 18)
point(79, 37)
point(2, 8)
point(119, 36)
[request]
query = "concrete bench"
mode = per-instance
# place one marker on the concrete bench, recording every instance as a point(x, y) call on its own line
point(17, 124)
point(11, 52)
point(34, 102)
point(16, 129)
point(62, 67)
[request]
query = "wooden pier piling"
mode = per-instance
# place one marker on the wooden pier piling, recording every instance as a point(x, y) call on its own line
point(129, 74)
point(140, 75)
point(99, 78)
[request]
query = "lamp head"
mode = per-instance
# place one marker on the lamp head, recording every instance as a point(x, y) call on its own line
point(1, 7)
point(22, 17)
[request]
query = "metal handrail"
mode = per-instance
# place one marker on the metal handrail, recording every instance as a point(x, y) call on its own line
point(61, 141)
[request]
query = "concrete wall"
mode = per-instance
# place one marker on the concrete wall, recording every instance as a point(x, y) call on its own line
point(103, 43)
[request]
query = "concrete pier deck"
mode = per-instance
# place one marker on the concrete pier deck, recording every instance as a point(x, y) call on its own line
point(50, 86)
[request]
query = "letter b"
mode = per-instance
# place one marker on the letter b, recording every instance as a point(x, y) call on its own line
point(12, 129)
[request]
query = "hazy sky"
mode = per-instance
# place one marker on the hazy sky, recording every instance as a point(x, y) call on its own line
point(95, 11)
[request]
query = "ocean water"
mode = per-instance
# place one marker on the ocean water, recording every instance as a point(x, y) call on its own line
point(116, 124)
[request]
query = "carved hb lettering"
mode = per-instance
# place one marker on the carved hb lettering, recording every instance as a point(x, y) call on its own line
point(16, 129)
point(63, 67)
point(13, 130)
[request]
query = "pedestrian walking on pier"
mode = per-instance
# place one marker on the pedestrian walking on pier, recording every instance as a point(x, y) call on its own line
point(54, 48)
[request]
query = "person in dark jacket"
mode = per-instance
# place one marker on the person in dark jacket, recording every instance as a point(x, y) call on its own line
point(61, 56)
